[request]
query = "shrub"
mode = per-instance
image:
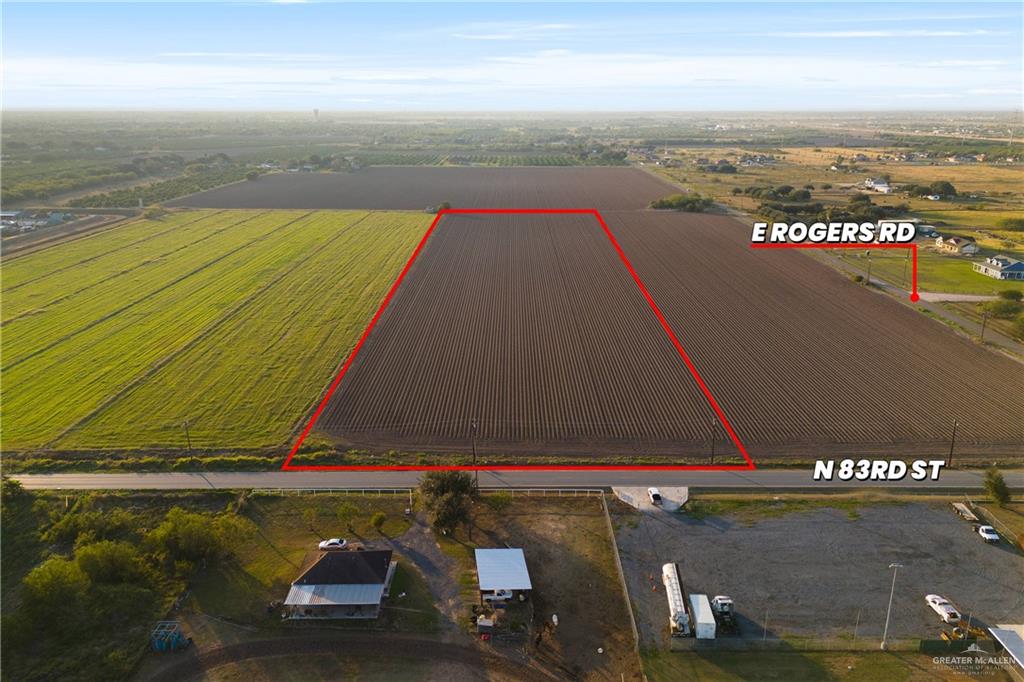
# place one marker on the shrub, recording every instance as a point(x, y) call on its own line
point(1011, 295)
point(378, 519)
point(1003, 309)
point(996, 487)
point(109, 561)
point(827, 185)
point(692, 203)
point(56, 585)
point(1013, 224)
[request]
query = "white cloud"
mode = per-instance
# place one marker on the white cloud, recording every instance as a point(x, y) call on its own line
point(508, 31)
point(537, 80)
point(908, 33)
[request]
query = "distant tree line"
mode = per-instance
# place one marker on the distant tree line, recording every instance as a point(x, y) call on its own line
point(690, 203)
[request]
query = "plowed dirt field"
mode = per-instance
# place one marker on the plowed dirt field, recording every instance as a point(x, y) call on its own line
point(415, 188)
point(531, 326)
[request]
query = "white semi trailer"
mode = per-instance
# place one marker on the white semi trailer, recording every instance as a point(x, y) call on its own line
point(703, 616)
point(678, 616)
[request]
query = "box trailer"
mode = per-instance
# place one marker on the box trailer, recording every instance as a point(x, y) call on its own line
point(678, 616)
point(703, 616)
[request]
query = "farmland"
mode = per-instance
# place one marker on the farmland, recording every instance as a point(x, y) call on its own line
point(416, 188)
point(533, 330)
point(531, 326)
point(231, 320)
point(234, 321)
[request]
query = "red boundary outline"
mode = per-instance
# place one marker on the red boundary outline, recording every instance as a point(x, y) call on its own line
point(914, 296)
point(288, 466)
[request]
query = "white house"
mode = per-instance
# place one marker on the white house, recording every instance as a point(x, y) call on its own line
point(1001, 267)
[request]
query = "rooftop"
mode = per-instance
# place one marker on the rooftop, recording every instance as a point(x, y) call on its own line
point(502, 569)
point(347, 568)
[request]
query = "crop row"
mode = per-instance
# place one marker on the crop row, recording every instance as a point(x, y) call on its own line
point(253, 377)
point(59, 373)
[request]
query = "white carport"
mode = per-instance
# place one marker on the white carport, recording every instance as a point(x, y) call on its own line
point(502, 569)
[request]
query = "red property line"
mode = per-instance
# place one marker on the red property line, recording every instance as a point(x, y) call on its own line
point(913, 250)
point(288, 466)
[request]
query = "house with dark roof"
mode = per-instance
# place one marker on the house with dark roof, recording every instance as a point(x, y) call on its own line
point(1001, 267)
point(342, 584)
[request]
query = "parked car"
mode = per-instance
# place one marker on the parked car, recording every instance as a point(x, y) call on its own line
point(988, 533)
point(940, 605)
point(655, 495)
point(333, 543)
point(498, 595)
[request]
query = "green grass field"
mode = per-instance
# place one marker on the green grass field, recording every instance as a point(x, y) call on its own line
point(233, 320)
point(935, 271)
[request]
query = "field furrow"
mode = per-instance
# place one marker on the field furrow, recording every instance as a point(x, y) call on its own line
point(249, 381)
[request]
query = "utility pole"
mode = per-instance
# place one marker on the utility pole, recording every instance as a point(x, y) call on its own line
point(188, 437)
point(888, 611)
point(476, 472)
point(867, 282)
point(906, 260)
point(952, 444)
point(984, 321)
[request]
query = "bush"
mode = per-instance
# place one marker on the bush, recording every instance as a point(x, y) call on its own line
point(1011, 295)
point(252, 175)
point(1003, 309)
point(1013, 224)
point(57, 585)
point(378, 519)
point(996, 487)
point(193, 537)
point(109, 561)
point(692, 203)
point(827, 185)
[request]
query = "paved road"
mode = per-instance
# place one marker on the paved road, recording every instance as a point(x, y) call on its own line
point(769, 479)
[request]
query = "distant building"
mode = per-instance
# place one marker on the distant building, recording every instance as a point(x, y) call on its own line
point(342, 584)
point(957, 245)
point(878, 184)
point(1001, 267)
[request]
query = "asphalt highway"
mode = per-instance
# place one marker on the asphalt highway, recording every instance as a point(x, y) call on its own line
point(769, 479)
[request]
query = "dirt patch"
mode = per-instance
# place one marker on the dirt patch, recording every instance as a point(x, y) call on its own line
point(822, 573)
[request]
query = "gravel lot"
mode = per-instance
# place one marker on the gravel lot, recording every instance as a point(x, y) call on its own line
point(814, 571)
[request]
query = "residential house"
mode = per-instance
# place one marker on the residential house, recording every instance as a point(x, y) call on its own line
point(1001, 267)
point(342, 584)
point(957, 245)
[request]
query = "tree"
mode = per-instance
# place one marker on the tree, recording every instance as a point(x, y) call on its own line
point(58, 584)
point(444, 206)
point(996, 487)
point(189, 537)
point(252, 175)
point(943, 188)
point(448, 496)
point(1011, 295)
point(110, 561)
point(346, 512)
point(377, 520)
point(309, 516)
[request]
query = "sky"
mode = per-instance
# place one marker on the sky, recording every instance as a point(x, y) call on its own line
point(513, 57)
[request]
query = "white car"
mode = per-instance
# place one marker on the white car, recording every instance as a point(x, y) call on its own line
point(988, 533)
point(655, 495)
point(333, 543)
point(940, 605)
